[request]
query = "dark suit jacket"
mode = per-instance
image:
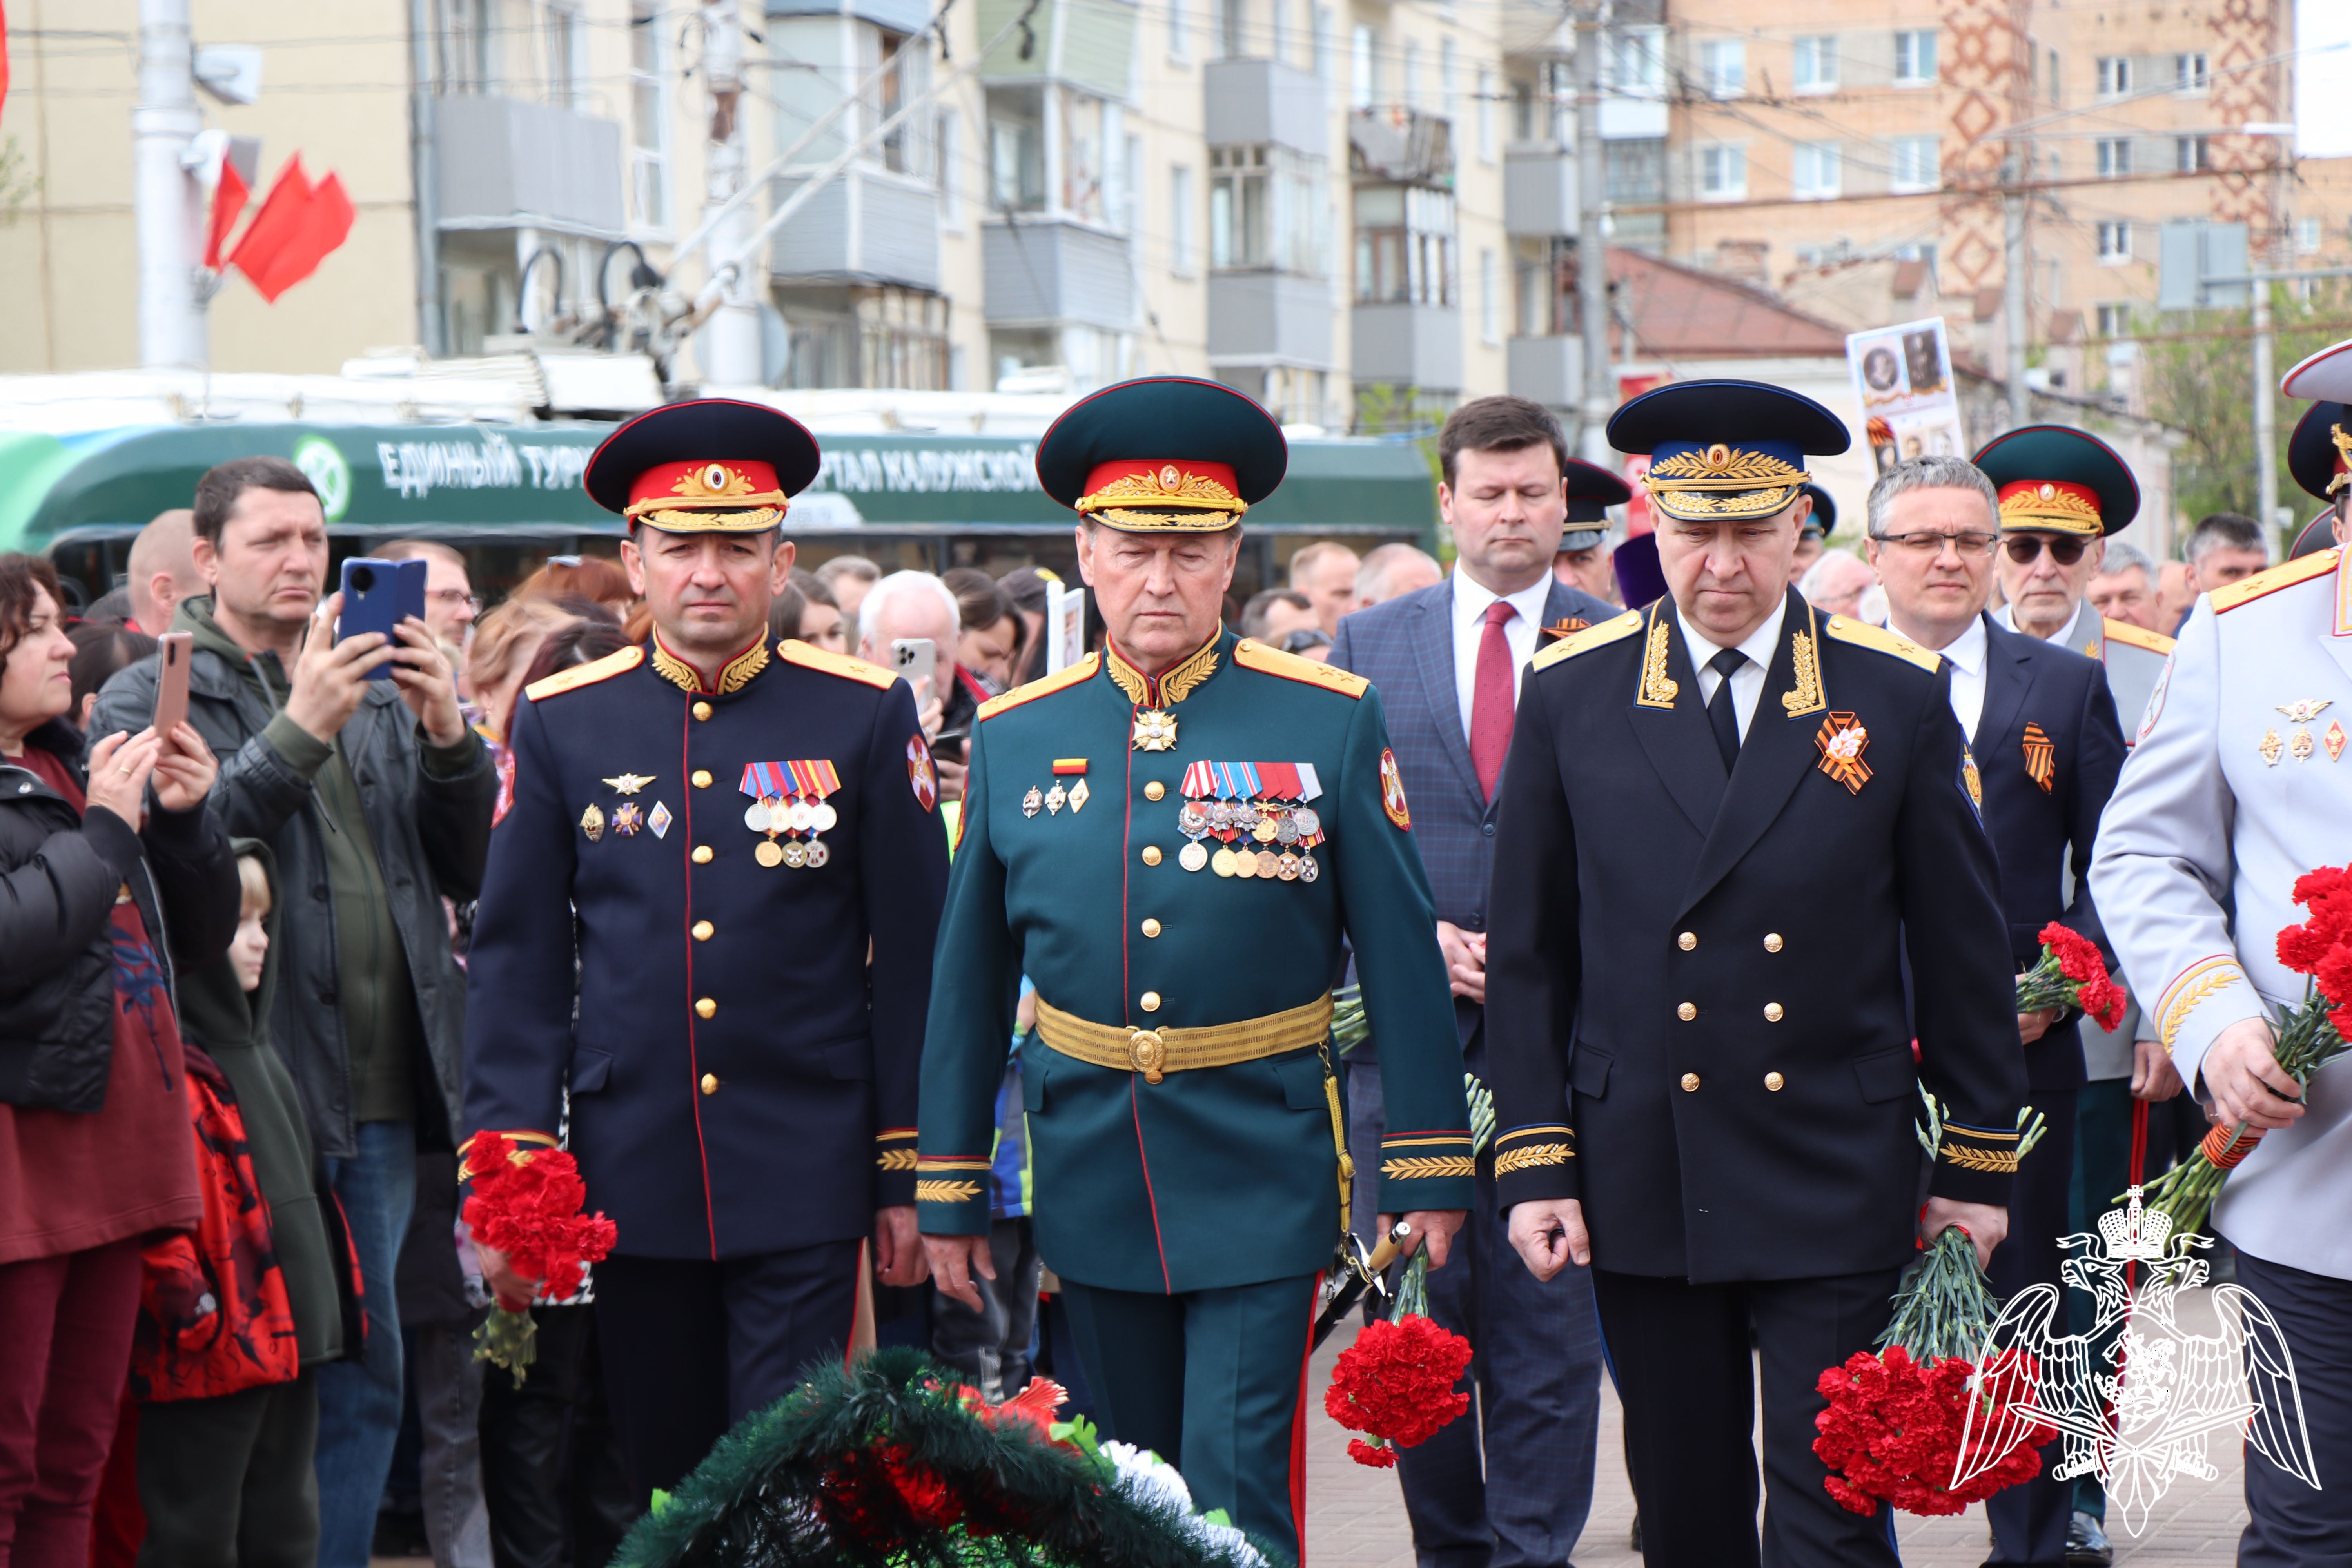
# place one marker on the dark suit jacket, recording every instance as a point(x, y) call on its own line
point(1405, 648)
point(2029, 681)
point(1695, 1001)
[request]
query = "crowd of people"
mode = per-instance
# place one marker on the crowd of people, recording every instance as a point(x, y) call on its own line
point(236, 1074)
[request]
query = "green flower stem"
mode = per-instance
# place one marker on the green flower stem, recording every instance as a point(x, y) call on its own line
point(1943, 1306)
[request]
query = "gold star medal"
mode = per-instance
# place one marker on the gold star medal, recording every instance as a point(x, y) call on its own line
point(629, 783)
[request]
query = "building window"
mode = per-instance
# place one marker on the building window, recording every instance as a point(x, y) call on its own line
point(648, 117)
point(1230, 44)
point(1180, 219)
point(2115, 75)
point(895, 338)
point(2191, 154)
point(1915, 57)
point(1363, 70)
point(1490, 300)
point(949, 181)
point(1413, 73)
point(1815, 173)
point(904, 151)
point(1638, 61)
point(2050, 76)
point(1915, 163)
point(2189, 73)
point(1016, 149)
point(469, 47)
point(2307, 235)
point(1319, 41)
point(567, 57)
point(2114, 157)
point(1180, 31)
point(1263, 203)
point(1404, 245)
point(2114, 243)
point(1449, 102)
point(1723, 66)
point(1635, 170)
point(1816, 64)
point(2115, 321)
point(1543, 285)
point(1486, 115)
point(1130, 216)
point(1278, 14)
point(1723, 173)
point(1091, 131)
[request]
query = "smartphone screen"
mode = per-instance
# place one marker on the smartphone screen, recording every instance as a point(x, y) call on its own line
point(917, 659)
point(172, 650)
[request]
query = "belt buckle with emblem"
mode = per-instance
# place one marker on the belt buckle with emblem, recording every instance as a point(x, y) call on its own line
point(788, 801)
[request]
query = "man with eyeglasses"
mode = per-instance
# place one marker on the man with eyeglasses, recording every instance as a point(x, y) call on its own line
point(450, 603)
point(2042, 726)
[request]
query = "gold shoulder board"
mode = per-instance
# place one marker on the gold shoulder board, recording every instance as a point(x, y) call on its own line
point(2246, 590)
point(1067, 676)
point(1252, 654)
point(1608, 631)
point(2136, 637)
point(1862, 634)
point(810, 656)
point(588, 674)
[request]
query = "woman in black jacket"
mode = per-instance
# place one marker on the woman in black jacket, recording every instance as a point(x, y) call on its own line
point(106, 889)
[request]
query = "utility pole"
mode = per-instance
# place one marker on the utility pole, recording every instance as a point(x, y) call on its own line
point(2015, 168)
point(1592, 248)
point(2265, 399)
point(732, 355)
point(168, 202)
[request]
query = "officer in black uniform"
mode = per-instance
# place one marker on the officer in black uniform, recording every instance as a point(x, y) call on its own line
point(1727, 820)
point(739, 841)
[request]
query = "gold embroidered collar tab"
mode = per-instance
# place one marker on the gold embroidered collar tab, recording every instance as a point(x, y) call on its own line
point(1172, 685)
point(733, 675)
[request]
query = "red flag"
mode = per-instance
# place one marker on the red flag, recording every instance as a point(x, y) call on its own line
point(297, 226)
point(3, 54)
point(229, 198)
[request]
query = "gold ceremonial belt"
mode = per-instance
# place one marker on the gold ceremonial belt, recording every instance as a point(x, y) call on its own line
point(1155, 1053)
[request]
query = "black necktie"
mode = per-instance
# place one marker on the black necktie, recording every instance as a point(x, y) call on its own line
point(1720, 714)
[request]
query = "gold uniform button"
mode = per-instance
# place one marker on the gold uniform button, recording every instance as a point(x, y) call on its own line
point(705, 1008)
point(702, 929)
point(1774, 1081)
point(1772, 1013)
point(1154, 790)
point(1151, 928)
point(710, 1083)
point(1772, 942)
point(1686, 1012)
point(1690, 1083)
point(702, 854)
point(1152, 854)
point(1688, 941)
point(702, 710)
point(702, 778)
point(1151, 1001)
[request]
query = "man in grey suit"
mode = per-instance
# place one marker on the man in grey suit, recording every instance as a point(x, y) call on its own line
point(1447, 661)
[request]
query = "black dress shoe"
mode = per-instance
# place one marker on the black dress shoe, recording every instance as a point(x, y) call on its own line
point(2086, 1542)
point(1637, 1530)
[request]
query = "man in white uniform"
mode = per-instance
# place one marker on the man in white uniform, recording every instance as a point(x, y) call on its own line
point(2233, 792)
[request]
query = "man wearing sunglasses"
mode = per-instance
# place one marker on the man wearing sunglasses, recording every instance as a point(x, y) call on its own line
point(2041, 728)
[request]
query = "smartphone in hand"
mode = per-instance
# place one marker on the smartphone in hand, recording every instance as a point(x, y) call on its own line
point(917, 659)
point(172, 651)
point(377, 597)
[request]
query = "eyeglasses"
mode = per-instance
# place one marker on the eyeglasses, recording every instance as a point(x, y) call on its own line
point(2023, 548)
point(1927, 542)
point(453, 597)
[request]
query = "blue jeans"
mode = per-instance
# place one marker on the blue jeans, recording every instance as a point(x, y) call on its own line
point(359, 1396)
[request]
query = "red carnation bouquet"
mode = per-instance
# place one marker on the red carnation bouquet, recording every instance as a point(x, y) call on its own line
point(526, 1204)
point(2071, 974)
point(1896, 1418)
point(1395, 1384)
point(2310, 1034)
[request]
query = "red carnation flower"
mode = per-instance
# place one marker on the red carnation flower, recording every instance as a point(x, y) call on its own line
point(1395, 1384)
point(1363, 1453)
point(526, 1204)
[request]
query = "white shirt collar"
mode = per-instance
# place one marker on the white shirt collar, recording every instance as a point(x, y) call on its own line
point(1966, 650)
point(2006, 617)
point(1471, 598)
point(1760, 645)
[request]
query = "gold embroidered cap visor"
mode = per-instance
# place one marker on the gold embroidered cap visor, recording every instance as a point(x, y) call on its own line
point(709, 466)
point(1163, 454)
point(1723, 448)
point(2053, 479)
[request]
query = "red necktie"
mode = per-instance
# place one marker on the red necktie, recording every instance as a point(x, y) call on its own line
point(1490, 699)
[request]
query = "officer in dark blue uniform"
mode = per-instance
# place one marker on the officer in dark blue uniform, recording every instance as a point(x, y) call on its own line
point(1727, 820)
point(739, 841)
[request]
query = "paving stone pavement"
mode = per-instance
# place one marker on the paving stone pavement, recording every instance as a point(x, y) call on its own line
point(1355, 1516)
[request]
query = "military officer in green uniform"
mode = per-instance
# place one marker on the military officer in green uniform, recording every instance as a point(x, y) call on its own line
point(1173, 838)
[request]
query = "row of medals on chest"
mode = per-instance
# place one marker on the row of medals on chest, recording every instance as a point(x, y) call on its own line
point(1281, 835)
point(776, 814)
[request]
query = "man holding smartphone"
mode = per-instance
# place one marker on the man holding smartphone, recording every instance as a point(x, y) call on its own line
point(707, 932)
point(375, 799)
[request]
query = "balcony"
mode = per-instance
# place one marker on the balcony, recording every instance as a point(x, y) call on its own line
point(1046, 271)
point(899, 16)
point(1396, 145)
point(1407, 345)
point(1250, 102)
point(1539, 191)
point(1548, 370)
point(866, 226)
point(1269, 319)
point(504, 164)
